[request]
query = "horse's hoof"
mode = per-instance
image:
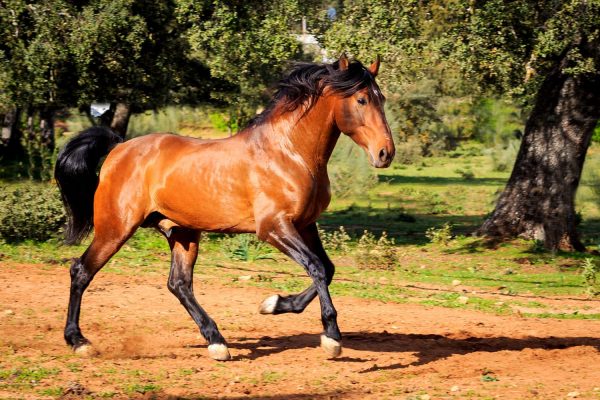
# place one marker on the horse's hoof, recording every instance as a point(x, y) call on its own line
point(219, 352)
point(332, 347)
point(269, 304)
point(85, 350)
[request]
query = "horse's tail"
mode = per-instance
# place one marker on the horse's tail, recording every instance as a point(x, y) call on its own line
point(75, 173)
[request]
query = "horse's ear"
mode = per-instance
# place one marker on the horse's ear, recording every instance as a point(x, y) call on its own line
point(374, 68)
point(343, 62)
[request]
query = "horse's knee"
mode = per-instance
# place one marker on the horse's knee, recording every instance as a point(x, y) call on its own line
point(80, 276)
point(179, 287)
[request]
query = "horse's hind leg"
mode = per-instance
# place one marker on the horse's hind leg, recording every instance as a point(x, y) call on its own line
point(296, 303)
point(102, 248)
point(184, 251)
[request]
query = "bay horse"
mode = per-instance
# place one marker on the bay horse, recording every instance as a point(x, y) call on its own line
point(269, 179)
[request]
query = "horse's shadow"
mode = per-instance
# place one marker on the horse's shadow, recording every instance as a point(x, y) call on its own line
point(427, 348)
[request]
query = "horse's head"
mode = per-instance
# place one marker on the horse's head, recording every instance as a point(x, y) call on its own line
point(358, 111)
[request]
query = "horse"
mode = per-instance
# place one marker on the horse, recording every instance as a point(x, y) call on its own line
point(269, 179)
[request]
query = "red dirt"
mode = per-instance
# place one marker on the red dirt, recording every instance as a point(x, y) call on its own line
point(390, 350)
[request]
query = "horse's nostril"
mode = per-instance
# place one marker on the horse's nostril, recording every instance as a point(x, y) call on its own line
point(383, 155)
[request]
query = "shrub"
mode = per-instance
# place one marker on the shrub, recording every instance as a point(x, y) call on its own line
point(409, 151)
point(591, 276)
point(441, 235)
point(503, 156)
point(246, 247)
point(466, 174)
point(376, 253)
point(163, 120)
point(32, 211)
point(349, 170)
point(335, 241)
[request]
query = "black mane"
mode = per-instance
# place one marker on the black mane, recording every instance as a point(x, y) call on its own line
point(305, 83)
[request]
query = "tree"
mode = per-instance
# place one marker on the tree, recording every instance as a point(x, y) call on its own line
point(35, 70)
point(550, 50)
point(58, 54)
point(546, 54)
point(246, 44)
point(425, 93)
point(132, 54)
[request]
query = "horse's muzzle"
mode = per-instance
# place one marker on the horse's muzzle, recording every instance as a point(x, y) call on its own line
point(384, 158)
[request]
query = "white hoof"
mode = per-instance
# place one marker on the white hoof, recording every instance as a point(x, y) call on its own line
point(269, 304)
point(332, 347)
point(219, 352)
point(85, 350)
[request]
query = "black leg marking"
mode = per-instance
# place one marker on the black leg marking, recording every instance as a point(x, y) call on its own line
point(297, 303)
point(83, 271)
point(282, 234)
point(184, 251)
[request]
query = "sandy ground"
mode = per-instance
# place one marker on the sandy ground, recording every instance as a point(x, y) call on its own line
point(148, 343)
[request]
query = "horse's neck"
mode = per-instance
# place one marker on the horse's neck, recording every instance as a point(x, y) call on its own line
point(311, 136)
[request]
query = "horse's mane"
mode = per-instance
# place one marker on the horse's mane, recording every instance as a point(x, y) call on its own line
point(305, 83)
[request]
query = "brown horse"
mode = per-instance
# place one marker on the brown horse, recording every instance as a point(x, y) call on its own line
point(271, 179)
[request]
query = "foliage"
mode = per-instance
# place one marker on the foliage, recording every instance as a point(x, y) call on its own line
point(440, 56)
point(372, 253)
point(503, 156)
point(337, 240)
point(441, 235)
point(349, 171)
point(246, 44)
point(503, 37)
point(163, 120)
point(33, 211)
point(127, 50)
point(34, 61)
point(222, 123)
point(596, 135)
point(245, 247)
point(58, 54)
point(408, 151)
point(40, 157)
point(466, 174)
point(413, 75)
point(499, 121)
point(591, 276)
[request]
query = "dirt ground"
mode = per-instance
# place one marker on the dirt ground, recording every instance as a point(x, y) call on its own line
point(149, 347)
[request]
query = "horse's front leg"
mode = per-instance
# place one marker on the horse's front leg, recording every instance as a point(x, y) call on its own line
point(282, 234)
point(296, 303)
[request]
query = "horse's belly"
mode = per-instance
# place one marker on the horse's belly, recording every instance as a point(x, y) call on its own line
point(207, 213)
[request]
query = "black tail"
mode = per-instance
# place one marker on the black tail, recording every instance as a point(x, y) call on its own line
point(75, 173)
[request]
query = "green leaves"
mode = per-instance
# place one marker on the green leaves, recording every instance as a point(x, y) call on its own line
point(54, 53)
point(246, 44)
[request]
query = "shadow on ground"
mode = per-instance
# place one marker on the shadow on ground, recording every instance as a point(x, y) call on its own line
point(427, 348)
point(438, 180)
point(295, 396)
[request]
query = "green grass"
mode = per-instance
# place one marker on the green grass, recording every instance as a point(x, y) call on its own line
point(140, 388)
point(25, 377)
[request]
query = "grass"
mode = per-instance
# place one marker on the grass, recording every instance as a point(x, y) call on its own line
point(25, 377)
point(140, 388)
point(406, 203)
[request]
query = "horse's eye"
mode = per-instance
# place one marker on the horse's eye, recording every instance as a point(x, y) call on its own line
point(362, 101)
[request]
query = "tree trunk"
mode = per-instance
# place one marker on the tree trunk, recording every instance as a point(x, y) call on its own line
point(117, 118)
point(120, 119)
point(47, 128)
point(539, 199)
point(10, 138)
